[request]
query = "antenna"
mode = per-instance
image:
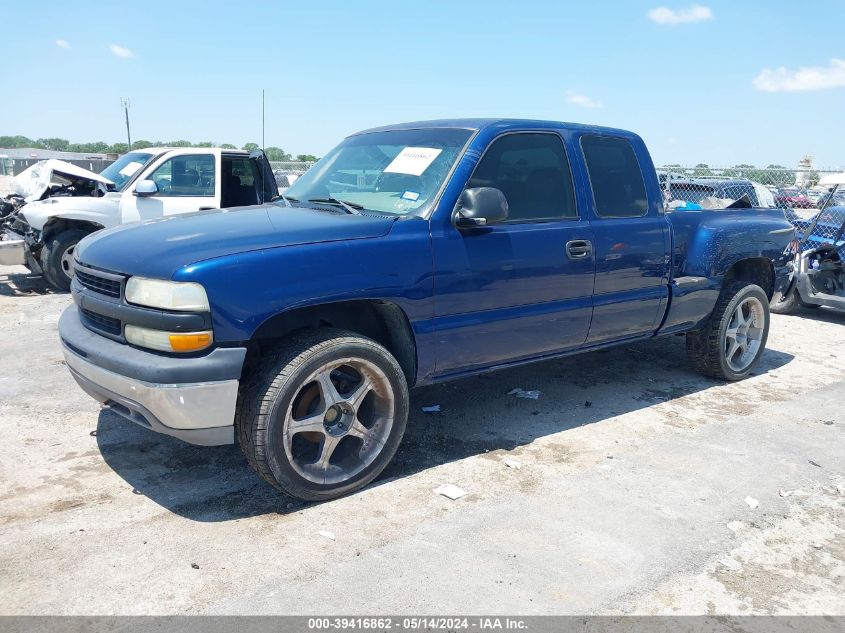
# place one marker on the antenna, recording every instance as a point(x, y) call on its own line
point(262, 119)
point(124, 103)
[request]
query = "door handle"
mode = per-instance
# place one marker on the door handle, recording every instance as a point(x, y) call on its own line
point(579, 249)
point(206, 208)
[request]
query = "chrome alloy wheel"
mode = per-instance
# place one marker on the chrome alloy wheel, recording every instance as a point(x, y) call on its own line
point(338, 421)
point(744, 334)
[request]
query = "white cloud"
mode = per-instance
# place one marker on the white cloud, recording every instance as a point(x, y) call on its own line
point(583, 100)
point(62, 43)
point(809, 78)
point(120, 51)
point(665, 15)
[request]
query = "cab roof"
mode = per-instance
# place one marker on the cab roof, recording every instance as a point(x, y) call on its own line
point(503, 124)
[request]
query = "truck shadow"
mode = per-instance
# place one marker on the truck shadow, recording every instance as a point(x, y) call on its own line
point(477, 415)
point(25, 284)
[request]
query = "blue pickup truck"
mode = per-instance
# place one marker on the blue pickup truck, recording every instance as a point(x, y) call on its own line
point(410, 254)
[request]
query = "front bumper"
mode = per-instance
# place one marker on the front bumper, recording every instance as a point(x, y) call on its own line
point(192, 399)
point(12, 250)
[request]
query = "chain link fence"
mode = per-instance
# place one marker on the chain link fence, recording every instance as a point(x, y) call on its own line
point(703, 186)
point(286, 172)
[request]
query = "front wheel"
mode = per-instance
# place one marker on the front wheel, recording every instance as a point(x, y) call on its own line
point(57, 257)
point(324, 414)
point(785, 303)
point(734, 337)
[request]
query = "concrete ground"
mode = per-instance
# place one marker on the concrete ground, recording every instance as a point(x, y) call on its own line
point(643, 488)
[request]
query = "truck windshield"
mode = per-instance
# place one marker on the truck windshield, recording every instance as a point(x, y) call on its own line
point(121, 171)
point(395, 171)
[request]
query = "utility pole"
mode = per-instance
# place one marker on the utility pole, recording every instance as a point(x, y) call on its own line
point(124, 103)
point(262, 119)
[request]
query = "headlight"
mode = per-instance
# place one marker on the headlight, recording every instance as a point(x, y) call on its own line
point(167, 295)
point(167, 341)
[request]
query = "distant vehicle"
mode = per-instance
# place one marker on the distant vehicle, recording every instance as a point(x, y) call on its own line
point(790, 198)
point(817, 275)
point(140, 185)
point(410, 254)
point(696, 189)
point(284, 179)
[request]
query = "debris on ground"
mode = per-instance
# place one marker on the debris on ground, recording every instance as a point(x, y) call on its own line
point(513, 463)
point(194, 566)
point(752, 502)
point(450, 491)
point(731, 564)
point(588, 404)
point(435, 408)
point(522, 393)
point(326, 534)
point(812, 463)
point(788, 493)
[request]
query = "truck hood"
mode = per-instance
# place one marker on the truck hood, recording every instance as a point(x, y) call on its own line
point(33, 181)
point(158, 248)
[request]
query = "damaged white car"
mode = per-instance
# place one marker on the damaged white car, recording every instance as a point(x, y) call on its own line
point(64, 203)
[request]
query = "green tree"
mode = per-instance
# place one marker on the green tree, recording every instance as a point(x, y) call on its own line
point(276, 154)
point(117, 148)
point(228, 146)
point(55, 144)
point(307, 158)
point(141, 144)
point(250, 147)
point(181, 143)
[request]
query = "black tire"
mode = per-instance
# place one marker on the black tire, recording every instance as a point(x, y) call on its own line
point(53, 262)
point(706, 347)
point(784, 304)
point(267, 396)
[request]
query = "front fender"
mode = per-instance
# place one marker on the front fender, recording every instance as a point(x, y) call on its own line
point(103, 211)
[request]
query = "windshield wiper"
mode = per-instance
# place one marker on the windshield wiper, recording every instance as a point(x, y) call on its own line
point(286, 200)
point(350, 207)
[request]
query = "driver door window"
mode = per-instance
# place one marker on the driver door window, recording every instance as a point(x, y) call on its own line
point(185, 176)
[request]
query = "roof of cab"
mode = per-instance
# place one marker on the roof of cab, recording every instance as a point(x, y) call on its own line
point(502, 124)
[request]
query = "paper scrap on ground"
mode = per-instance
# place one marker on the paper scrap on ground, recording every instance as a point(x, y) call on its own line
point(412, 161)
point(326, 534)
point(513, 463)
point(752, 502)
point(450, 491)
point(522, 393)
point(731, 564)
point(788, 493)
point(435, 408)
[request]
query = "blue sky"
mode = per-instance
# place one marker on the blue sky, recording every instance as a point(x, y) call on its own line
point(682, 76)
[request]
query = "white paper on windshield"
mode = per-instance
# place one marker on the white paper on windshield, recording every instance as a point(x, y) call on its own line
point(413, 161)
point(130, 168)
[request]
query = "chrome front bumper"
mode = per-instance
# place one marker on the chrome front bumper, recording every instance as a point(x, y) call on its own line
point(12, 250)
point(189, 402)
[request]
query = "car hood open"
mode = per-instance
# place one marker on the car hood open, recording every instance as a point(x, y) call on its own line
point(34, 181)
point(158, 248)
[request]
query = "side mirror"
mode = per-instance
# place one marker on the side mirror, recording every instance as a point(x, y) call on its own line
point(480, 206)
point(145, 188)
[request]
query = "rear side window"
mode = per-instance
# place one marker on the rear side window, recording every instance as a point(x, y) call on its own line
point(615, 176)
point(533, 172)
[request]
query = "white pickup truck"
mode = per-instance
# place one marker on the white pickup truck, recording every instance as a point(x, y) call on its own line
point(140, 185)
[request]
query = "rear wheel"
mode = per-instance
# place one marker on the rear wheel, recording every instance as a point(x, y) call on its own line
point(734, 337)
point(323, 415)
point(57, 257)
